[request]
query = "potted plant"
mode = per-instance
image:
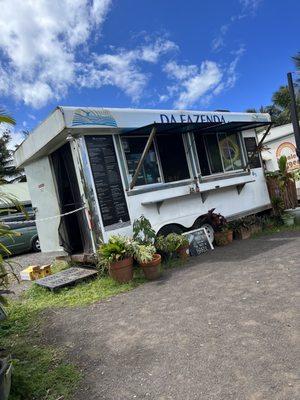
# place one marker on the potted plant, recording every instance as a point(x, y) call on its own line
point(223, 233)
point(117, 257)
point(173, 244)
point(148, 260)
point(240, 229)
point(183, 249)
point(288, 219)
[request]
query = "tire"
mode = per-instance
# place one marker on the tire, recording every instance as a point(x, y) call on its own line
point(172, 228)
point(36, 245)
point(200, 223)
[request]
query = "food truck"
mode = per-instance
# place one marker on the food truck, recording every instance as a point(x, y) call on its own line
point(92, 171)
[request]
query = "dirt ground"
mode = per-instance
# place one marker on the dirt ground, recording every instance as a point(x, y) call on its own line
point(223, 327)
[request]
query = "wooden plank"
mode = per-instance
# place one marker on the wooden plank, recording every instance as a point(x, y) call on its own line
point(145, 152)
point(67, 277)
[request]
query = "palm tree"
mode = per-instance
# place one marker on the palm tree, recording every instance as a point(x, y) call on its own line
point(296, 59)
point(5, 118)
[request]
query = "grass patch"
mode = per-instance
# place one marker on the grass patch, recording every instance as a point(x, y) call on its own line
point(40, 372)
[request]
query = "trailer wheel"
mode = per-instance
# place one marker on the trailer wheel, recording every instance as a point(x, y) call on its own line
point(201, 223)
point(172, 228)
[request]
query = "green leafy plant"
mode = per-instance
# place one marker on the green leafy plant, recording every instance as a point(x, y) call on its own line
point(143, 231)
point(117, 248)
point(171, 242)
point(144, 253)
point(278, 206)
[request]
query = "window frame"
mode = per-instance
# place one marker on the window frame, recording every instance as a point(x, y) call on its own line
point(159, 164)
point(217, 174)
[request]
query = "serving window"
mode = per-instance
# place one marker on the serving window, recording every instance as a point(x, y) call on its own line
point(165, 161)
point(219, 153)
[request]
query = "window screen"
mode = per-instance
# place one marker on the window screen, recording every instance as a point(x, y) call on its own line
point(172, 157)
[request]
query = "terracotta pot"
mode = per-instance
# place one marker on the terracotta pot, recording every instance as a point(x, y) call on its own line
point(230, 236)
point(242, 233)
point(122, 271)
point(223, 238)
point(256, 229)
point(183, 252)
point(151, 268)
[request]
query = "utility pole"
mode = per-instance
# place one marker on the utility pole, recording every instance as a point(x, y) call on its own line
point(294, 113)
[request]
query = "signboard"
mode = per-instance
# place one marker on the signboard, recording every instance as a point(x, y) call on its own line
point(107, 179)
point(199, 241)
point(67, 277)
point(288, 149)
point(250, 144)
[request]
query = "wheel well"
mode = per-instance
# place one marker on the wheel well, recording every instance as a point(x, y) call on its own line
point(171, 228)
point(202, 219)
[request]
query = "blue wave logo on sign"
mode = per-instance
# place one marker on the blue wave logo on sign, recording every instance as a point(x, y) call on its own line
point(93, 117)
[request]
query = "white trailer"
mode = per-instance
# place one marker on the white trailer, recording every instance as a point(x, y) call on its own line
point(171, 166)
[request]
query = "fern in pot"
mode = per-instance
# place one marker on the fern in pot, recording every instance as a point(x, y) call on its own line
point(116, 256)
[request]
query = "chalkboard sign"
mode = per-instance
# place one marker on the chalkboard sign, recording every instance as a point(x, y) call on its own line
point(107, 179)
point(199, 242)
point(250, 144)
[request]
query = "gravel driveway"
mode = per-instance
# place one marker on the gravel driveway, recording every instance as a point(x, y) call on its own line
point(222, 328)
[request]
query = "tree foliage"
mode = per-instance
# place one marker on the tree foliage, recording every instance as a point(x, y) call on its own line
point(279, 110)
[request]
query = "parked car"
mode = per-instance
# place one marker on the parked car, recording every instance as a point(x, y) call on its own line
point(25, 237)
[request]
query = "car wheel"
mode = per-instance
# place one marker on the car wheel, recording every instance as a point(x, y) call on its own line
point(36, 245)
point(208, 227)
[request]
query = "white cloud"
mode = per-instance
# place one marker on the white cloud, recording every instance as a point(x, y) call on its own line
point(248, 8)
point(39, 40)
point(194, 84)
point(122, 69)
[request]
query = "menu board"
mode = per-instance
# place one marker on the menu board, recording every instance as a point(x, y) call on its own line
point(250, 144)
point(107, 179)
point(199, 242)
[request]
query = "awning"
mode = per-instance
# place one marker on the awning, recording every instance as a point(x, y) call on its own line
point(196, 127)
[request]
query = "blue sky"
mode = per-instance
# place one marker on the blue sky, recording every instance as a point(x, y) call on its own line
point(164, 54)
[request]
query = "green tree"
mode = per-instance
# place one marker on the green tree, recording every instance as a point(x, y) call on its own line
point(279, 110)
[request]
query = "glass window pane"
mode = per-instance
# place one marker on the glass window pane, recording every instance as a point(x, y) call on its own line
point(213, 151)
point(230, 151)
point(133, 149)
point(202, 156)
point(172, 157)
